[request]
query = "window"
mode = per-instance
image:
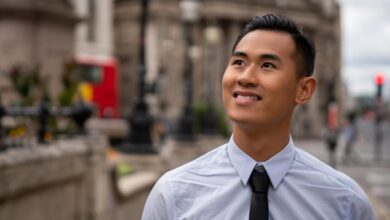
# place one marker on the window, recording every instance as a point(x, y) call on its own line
point(90, 73)
point(91, 20)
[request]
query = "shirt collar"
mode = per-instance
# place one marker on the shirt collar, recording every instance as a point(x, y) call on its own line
point(276, 167)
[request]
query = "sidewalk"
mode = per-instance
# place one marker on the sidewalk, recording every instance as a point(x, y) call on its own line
point(373, 176)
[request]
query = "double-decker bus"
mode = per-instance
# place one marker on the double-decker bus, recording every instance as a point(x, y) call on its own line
point(99, 84)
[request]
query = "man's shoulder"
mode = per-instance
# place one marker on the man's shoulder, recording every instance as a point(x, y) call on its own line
point(323, 183)
point(204, 164)
point(329, 177)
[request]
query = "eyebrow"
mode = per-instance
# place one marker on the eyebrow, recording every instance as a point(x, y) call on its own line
point(262, 56)
point(239, 54)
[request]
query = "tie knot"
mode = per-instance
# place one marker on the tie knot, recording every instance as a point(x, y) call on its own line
point(259, 180)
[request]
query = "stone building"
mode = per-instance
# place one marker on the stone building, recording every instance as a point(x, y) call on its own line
point(36, 32)
point(213, 36)
point(93, 35)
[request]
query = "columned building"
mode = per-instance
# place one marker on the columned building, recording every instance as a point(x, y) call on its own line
point(94, 32)
point(36, 33)
point(213, 37)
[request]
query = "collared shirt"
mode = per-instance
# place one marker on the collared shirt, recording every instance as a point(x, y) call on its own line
point(215, 187)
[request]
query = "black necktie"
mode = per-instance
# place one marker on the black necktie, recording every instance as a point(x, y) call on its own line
point(259, 182)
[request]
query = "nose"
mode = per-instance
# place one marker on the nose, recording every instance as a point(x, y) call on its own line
point(248, 78)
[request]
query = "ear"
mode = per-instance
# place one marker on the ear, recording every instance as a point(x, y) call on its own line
point(306, 88)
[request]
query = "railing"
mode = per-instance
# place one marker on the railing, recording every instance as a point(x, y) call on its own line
point(79, 113)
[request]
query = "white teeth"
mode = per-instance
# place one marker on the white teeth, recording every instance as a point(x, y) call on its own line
point(247, 97)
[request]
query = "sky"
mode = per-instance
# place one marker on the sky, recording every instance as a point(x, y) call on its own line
point(365, 45)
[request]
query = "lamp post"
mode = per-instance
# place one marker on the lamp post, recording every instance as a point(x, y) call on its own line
point(189, 15)
point(140, 121)
point(212, 36)
point(2, 113)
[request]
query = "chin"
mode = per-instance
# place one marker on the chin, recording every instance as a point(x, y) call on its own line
point(241, 118)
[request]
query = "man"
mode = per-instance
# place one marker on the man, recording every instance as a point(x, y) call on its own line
point(260, 174)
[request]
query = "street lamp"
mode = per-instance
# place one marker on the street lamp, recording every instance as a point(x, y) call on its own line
point(2, 114)
point(140, 121)
point(189, 15)
point(212, 35)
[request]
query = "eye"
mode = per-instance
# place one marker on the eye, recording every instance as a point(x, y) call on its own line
point(268, 65)
point(238, 62)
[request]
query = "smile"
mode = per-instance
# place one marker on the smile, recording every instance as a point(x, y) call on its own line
point(246, 96)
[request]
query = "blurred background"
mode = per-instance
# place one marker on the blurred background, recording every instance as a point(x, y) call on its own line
point(99, 97)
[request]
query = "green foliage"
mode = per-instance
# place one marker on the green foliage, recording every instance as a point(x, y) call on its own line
point(123, 169)
point(32, 88)
point(29, 84)
point(70, 82)
point(223, 126)
point(202, 111)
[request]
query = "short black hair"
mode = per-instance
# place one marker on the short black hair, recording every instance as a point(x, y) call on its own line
point(305, 48)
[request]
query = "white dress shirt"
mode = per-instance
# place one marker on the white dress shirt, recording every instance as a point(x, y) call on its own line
point(215, 187)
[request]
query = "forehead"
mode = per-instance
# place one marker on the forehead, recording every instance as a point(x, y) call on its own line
point(267, 41)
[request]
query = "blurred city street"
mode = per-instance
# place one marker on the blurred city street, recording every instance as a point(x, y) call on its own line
point(98, 98)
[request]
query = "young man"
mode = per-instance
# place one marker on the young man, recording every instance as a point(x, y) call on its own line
point(259, 174)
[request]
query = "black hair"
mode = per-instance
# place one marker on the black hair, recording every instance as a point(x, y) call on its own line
point(305, 48)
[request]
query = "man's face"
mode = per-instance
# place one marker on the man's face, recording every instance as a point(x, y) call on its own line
point(259, 85)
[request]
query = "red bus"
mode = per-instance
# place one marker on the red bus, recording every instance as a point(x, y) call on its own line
point(99, 84)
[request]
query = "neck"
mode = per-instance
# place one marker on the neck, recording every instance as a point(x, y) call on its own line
point(261, 144)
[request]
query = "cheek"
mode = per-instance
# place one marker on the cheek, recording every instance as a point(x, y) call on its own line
point(226, 82)
point(281, 90)
point(288, 93)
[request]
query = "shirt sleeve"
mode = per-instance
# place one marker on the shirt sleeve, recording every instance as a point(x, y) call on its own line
point(159, 204)
point(361, 209)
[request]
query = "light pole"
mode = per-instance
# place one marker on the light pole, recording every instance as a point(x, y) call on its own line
point(189, 14)
point(140, 121)
point(212, 36)
point(2, 114)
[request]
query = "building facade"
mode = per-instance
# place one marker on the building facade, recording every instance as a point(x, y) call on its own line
point(213, 36)
point(36, 33)
point(93, 35)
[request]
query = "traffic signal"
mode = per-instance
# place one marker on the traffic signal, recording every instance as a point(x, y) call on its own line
point(379, 81)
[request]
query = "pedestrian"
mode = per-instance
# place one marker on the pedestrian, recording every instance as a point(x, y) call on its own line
point(331, 132)
point(259, 173)
point(351, 134)
point(331, 139)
